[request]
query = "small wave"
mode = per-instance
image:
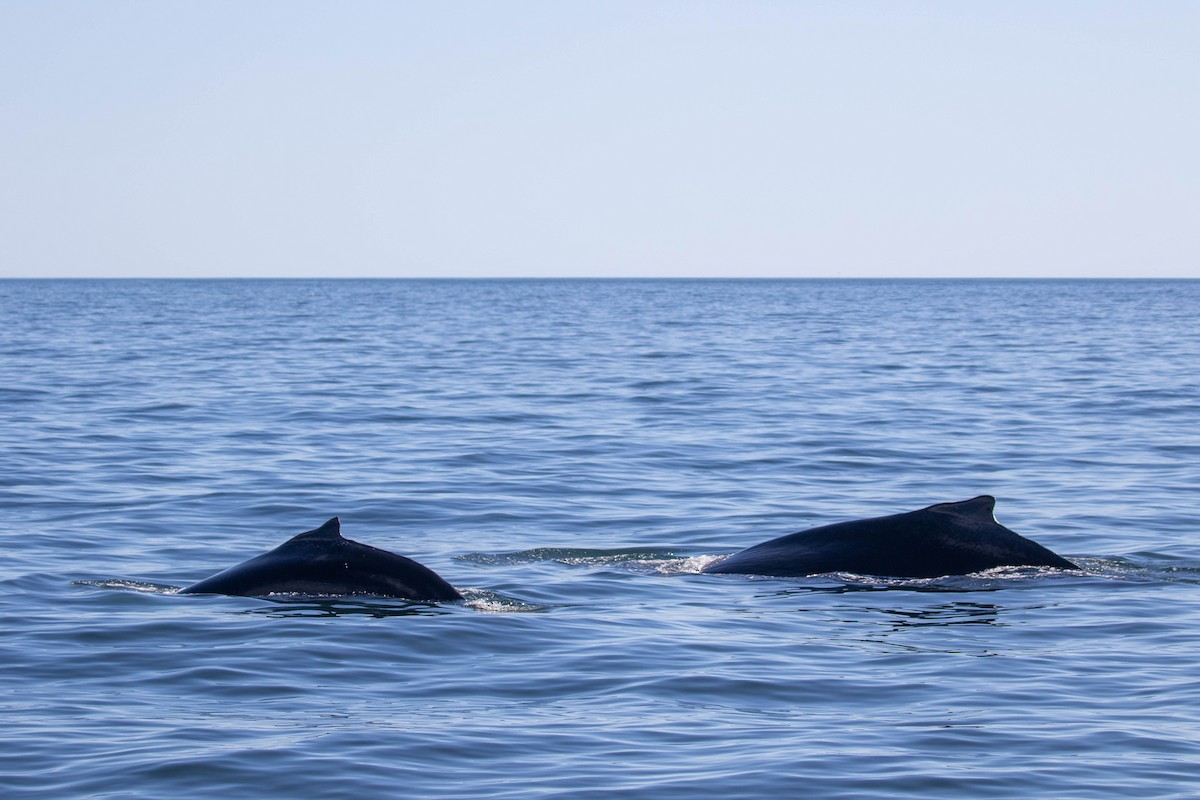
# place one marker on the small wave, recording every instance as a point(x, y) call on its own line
point(636, 560)
point(155, 409)
point(496, 603)
point(129, 586)
point(983, 581)
point(566, 555)
point(22, 394)
point(1154, 570)
point(688, 565)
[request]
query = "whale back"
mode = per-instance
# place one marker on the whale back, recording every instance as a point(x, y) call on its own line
point(321, 562)
point(944, 539)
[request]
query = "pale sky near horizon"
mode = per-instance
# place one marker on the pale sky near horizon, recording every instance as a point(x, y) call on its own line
point(599, 139)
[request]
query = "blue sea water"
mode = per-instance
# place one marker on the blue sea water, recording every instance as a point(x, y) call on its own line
point(571, 454)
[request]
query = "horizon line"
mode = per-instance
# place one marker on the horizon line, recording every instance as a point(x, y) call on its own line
point(589, 278)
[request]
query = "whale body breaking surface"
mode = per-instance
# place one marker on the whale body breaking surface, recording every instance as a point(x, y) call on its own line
point(321, 562)
point(943, 539)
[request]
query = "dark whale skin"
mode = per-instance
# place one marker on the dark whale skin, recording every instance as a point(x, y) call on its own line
point(944, 539)
point(321, 563)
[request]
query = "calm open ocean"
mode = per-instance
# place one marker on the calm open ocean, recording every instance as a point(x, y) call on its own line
point(571, 454)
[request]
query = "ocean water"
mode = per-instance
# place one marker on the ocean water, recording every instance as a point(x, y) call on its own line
point(570, 454)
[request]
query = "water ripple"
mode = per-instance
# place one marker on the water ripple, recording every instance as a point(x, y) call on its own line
point(571, 454)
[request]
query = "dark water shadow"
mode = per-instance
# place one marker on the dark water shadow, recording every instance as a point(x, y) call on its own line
point(955, 613)
point(377, 608)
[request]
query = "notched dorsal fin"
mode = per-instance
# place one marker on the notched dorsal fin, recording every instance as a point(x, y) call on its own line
point(982, 508)
point(330, 530)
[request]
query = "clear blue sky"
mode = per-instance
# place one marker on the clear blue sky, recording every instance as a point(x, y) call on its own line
point(478, 139)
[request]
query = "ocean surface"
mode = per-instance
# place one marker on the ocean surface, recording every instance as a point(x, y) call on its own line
point(570, 454)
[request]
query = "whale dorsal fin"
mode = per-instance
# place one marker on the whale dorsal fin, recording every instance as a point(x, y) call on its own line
point(331, 530)
point(982, 508)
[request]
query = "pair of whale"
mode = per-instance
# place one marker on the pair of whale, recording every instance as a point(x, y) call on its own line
point(943, 539)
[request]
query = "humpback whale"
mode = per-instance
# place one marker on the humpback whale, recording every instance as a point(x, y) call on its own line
point(943, 539)
point(321, 562)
